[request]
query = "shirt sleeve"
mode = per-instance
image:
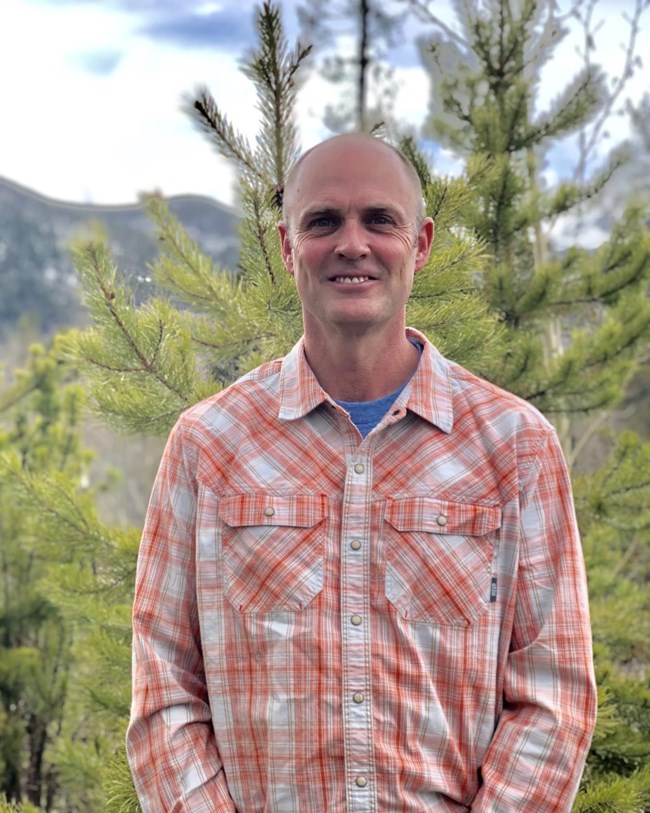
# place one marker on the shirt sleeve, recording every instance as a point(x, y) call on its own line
point(538, 751)
point(171, 746)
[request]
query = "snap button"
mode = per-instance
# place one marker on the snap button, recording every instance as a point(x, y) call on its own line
point(355, 544)
point(356, 620)
point(441, 519)
point(359, 468)
point(268, 511)
point(358, 697)
point(361, 781)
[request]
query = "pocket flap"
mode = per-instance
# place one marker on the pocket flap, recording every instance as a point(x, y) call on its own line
point(297, 510)
point(442, 516)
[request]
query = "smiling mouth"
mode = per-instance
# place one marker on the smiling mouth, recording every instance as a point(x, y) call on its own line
point(351, 280)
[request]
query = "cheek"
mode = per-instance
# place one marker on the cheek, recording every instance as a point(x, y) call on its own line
point(398, 245)
point(403, 252)
point(307, 253)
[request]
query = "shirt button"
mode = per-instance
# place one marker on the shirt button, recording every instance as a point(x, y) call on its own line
point(358, 697)
point(355, 544)
point(441, 519)
point(356, 620)
point(359, 468)
point(361, 781)
point(268, 512)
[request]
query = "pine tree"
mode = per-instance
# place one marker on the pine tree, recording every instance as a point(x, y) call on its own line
point(366, 72)
point(41, 414)
point(67, 587)
point(577, 322)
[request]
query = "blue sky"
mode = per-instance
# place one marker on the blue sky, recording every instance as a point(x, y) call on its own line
point(90, 91)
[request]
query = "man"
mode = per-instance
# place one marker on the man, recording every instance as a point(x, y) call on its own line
point(388, 618)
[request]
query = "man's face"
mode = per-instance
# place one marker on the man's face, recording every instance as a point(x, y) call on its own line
point(350, 240)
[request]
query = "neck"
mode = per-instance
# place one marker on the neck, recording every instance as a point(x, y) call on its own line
point(361, 368)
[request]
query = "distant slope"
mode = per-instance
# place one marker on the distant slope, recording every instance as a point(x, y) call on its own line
point(36, 272)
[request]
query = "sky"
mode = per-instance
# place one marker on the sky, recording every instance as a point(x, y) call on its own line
point(90, 91)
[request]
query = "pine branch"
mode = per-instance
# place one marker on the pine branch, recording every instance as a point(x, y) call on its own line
point(187, 272)
point(274, 72)
point(589, 142)
point(261, 235)
point(569, 112)
point(147, 363)
point(409, 147)
point(138, 360)
point(423, 10)
point(204, 111)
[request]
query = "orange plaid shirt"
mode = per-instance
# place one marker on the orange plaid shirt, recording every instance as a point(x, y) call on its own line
point(389, 625)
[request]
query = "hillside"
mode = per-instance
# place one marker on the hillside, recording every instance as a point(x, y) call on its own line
point(36, 272)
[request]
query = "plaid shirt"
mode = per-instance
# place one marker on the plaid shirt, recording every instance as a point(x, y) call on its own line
point(324, 624)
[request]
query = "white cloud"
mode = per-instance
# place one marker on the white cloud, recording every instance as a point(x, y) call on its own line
point(73, 134)
point(80, 134)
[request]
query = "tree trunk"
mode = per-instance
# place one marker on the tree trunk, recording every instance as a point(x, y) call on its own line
point(364, 13)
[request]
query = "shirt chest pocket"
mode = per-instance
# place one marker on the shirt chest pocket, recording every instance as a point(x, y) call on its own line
point(439, 558)
point(272, 550)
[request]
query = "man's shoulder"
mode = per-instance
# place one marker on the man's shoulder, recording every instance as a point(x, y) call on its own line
point(258, 387)
point(493, 401)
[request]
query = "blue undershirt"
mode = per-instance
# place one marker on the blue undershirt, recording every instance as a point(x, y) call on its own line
point(365, 415)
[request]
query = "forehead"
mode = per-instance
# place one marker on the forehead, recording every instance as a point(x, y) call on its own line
point(351, 171)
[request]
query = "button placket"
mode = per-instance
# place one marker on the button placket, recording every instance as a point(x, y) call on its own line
point(355, 609)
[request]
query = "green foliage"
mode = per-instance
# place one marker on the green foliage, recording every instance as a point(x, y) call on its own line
point(615, 794)
point(575, 320)
point(41, 437)
point(119, 790)
point(136, 356)
point(575, 324)
point(12, 807)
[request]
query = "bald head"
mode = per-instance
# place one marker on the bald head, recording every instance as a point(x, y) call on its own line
point(344, 146)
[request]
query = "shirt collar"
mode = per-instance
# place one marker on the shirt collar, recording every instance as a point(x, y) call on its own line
point(300, 391)
point(428, 393)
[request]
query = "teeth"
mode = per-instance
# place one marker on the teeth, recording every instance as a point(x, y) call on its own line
point(351, 280)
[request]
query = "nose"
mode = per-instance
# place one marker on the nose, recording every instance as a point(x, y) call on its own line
point(352, 241)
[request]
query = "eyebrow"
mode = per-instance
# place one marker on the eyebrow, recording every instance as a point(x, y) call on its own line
point(318, 212)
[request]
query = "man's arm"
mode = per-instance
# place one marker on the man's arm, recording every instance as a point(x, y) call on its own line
point(170, 741)
point(537, 754)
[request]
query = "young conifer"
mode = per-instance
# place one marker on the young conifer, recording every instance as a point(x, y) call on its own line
point(576, 323)
point(41, 664)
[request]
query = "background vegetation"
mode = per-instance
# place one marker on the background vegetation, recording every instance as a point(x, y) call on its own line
point(564, 327)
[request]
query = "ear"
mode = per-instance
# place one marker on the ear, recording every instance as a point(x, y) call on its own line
point(424, 241)
point(285, 247)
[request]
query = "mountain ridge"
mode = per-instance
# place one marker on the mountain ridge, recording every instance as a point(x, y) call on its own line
point(137, 204)
point(36, 272)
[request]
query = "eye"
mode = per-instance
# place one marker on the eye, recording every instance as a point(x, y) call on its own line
point(322, 222)
point(381, 219)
